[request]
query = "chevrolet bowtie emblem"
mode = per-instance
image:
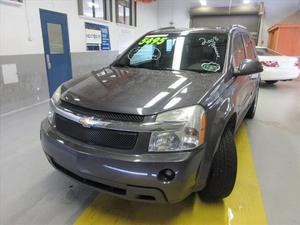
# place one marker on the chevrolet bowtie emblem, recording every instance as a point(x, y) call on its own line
point(86, 121)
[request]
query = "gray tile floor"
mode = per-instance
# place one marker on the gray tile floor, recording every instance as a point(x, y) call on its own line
point(32, 192)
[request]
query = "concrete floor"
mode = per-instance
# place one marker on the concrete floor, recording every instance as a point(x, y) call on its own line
point(32, 192)
point(275, 140)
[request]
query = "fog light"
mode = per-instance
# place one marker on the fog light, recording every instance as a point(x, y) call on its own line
point(166, 175)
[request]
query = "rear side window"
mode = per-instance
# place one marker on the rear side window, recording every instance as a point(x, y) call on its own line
point(249, 47)
point(238, 50)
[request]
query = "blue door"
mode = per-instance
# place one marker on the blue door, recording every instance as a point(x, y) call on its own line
point(56, 48)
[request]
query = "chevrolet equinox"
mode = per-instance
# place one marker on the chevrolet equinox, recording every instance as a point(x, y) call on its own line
point(159, 122)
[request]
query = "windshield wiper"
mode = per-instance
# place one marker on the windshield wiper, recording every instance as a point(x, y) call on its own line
point(120, 65)
point(157, 68)
point(144, 67)
point(128, 66)
point(192, 70)
point(167, 69)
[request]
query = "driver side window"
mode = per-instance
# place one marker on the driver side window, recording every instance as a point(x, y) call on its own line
point(238, 51)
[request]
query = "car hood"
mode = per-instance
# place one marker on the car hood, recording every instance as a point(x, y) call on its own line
point(138, 91)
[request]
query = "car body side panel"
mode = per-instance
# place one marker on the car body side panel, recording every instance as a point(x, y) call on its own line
point(221, 106)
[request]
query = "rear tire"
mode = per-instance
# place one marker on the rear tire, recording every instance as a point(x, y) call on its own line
point(223, 171)
point(270, 82)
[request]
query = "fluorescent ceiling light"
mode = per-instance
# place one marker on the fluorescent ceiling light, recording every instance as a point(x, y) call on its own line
point(203, 2)
point(246, 1)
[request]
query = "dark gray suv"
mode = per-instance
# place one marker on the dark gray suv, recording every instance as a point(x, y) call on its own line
point(159, 122)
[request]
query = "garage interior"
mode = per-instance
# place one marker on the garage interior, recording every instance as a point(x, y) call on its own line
point(268, 147)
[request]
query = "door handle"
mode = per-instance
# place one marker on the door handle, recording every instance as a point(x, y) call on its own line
point(48, 62)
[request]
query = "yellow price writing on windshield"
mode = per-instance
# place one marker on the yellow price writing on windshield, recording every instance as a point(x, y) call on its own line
point(152, 41)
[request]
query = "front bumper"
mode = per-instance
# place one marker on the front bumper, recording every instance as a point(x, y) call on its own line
point(129, 176)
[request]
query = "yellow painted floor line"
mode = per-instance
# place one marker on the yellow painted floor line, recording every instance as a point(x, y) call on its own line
point(244, 206)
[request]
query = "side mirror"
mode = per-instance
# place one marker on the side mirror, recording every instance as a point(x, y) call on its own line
point(249, 66)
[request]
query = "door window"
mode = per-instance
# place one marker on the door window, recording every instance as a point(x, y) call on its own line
point(249, 46)
point(56, 44)
point(238, 50)
point(100, 9)
point(123, 13)
point(126, 12)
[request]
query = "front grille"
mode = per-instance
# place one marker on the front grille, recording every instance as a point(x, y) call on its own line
point(96, 136)
point(103, 115)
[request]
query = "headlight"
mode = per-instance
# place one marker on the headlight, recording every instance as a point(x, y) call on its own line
point(187, 137)
point(56, 96)
point(54, 99)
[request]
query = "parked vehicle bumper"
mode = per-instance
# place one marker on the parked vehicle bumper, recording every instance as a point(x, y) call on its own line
point(279, 74)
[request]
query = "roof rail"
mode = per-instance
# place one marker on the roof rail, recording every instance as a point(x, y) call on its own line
point(166, 28)
point(239, 26)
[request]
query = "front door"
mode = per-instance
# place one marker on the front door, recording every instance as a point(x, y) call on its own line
point(56, 48)
point(242, 82)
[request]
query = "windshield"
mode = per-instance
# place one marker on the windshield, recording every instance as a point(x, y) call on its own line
point(200, 52)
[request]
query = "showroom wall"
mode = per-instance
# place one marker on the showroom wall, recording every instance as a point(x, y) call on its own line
point(21, 41)
point(21, 44)
point(177, 11)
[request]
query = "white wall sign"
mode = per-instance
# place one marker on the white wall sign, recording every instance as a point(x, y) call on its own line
point(97, 37)
point(9, 72)
point(93, 36)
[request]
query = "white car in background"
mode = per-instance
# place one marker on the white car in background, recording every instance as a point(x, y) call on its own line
point(277, 67)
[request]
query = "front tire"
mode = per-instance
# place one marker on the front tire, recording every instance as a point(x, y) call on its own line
point(223, 171)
